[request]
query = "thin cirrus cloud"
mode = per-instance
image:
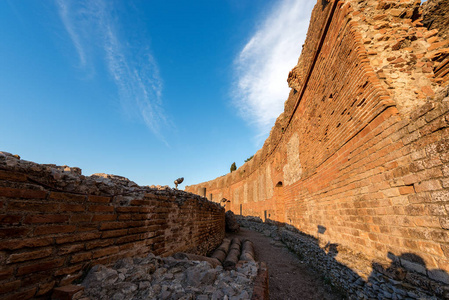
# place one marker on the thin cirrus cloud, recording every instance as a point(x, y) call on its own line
point(263, 64)
point(92, 29)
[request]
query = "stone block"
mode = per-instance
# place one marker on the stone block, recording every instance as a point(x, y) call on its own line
point(68, 292)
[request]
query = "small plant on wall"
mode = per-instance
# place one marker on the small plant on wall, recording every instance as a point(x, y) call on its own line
point(249, 158)
point(233, 167)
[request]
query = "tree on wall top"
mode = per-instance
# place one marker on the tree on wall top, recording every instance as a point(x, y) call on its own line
point(233, 167)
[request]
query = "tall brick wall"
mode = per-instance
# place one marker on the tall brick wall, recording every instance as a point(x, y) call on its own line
point(361, 149)
point(56, 223)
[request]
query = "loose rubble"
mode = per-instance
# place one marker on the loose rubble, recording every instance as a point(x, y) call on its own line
point(154, 277)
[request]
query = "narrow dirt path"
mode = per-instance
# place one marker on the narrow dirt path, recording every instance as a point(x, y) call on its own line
point(289, 279)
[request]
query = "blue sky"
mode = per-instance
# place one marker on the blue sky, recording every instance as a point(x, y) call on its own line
point(149, 90)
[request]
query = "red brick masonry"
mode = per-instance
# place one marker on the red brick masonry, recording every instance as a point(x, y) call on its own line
point(360, 156)
point(48, 238)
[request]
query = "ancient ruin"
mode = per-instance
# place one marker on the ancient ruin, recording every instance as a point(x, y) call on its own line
point(357, 166)
point(56, 224)
point(354, 178)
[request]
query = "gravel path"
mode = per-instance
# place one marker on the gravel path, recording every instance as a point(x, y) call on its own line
point(288, 277)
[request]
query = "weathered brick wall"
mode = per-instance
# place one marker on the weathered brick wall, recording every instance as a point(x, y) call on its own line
point(436, 16)
point(436, 19)
point(361, 150)
point(56, 223)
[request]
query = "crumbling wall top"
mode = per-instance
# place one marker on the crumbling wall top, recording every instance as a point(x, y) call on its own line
point(70, 179)
point(436, 16)
point(403, 53)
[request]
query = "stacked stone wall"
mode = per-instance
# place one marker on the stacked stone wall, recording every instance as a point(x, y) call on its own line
point(360, 154)
point(436, 19)
point(55, 224)
point(435, 15)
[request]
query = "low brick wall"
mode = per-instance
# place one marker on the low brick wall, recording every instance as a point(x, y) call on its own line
point(49, 237)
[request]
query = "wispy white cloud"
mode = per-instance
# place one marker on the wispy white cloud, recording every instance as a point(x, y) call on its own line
point(68, 24)
point(263, 64)
point(92, 27)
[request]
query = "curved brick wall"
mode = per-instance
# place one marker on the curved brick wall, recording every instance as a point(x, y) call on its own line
point(359, 158)
point(56, 223)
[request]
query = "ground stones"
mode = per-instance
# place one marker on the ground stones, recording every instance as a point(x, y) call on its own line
point(153, 277)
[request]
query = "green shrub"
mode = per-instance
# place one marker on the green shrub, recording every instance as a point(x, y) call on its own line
point(249, 158)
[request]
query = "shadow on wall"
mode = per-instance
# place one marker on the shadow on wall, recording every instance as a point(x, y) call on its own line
point(405, 276)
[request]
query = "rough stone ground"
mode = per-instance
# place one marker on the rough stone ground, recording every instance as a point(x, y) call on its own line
point(289, 278)
point(158, 278)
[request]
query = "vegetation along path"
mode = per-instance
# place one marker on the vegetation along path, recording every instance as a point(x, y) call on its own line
point(289, 278)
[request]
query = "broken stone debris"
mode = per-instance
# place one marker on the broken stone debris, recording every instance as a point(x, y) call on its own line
point(154, 277)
